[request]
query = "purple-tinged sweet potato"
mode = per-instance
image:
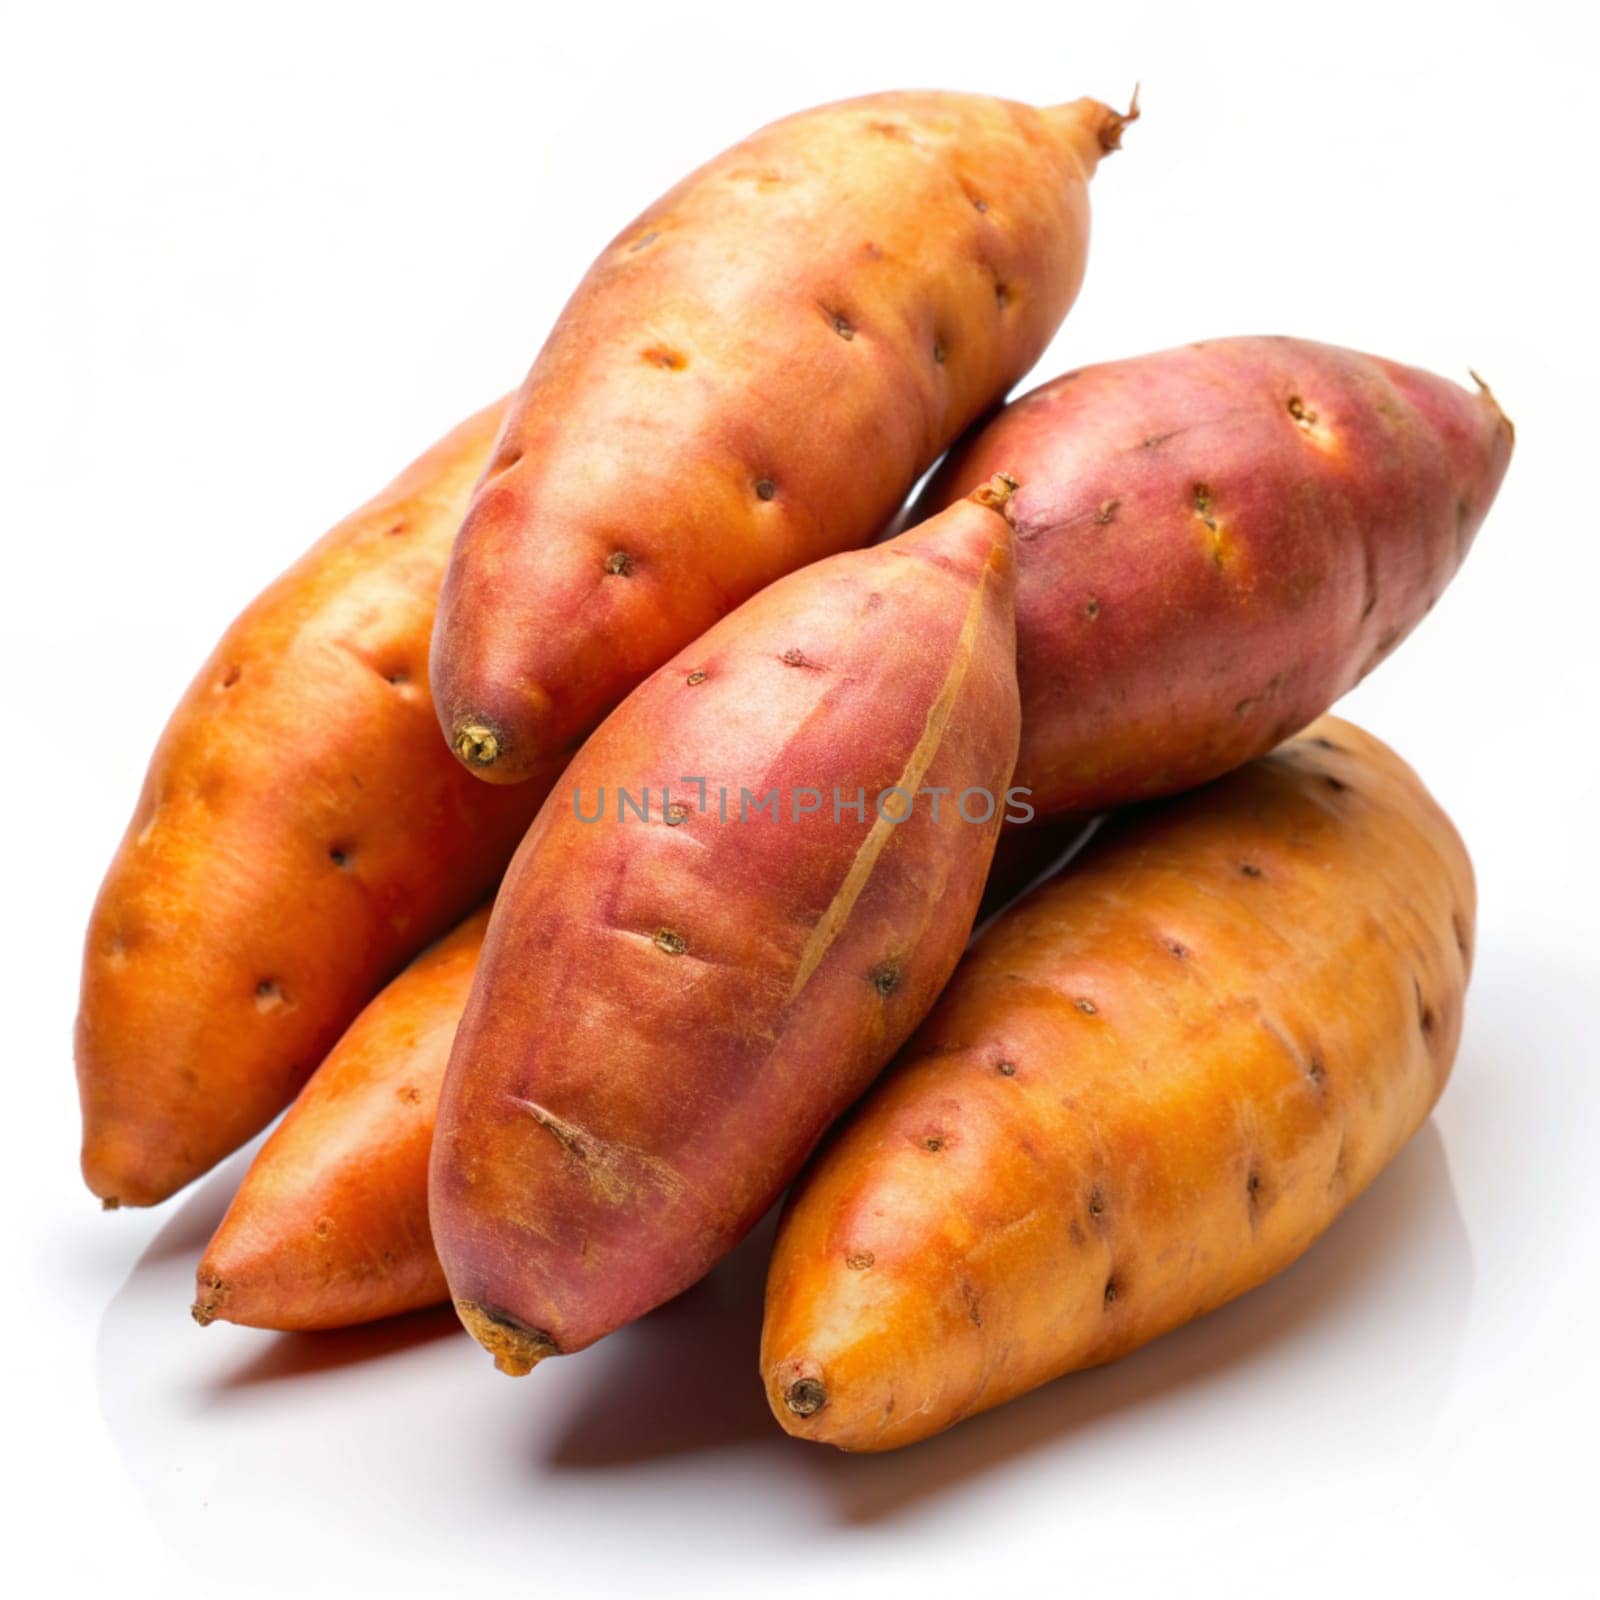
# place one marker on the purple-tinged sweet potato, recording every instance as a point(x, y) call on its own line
point(1214, 543)
point(672, 1007)
point(752, 376)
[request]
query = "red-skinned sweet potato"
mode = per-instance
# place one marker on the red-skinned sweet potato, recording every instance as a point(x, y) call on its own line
point(300, 836)
point(330, 1225)
point(670, 1012)
point(1214, 543)
point(888, 267)
point(1149, 1086)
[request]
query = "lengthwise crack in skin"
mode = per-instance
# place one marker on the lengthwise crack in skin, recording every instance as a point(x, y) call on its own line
point(831, 923)
point(604, 1161)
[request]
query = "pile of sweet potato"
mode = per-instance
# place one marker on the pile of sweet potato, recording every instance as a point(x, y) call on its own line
point(748, 772)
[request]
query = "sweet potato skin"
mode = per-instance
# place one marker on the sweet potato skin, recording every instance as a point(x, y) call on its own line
point(300, 835)
point(669, 1014)
point(1216, 542)
point(330, 1226)
point(1149, 1087)
point(891, 265)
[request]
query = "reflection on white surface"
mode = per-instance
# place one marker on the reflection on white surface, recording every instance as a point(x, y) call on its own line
point(398, 1441)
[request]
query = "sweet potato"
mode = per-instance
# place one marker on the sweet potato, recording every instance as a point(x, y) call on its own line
point(887, 267)
point(330, 1225)
point(1214, 543)
point(301, 834)
point(669, 1012)
point(1149, 1087)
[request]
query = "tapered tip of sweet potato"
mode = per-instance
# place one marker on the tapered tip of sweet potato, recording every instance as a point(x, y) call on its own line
point(1092, 128)
point(1488, 394)
point(996, 493)
point(210, 1298)
point(476, 744)
point(517, 1349)
point(805, 1397)
point(1112, 124)
point(123, 1166)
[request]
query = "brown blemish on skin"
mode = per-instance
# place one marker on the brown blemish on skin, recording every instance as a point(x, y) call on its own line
point(394, 530)
point(268, 995)
point(1097, 1203)
point(765, 488)
point(1302, 413)
point(398, 678)
point(410, 1094)
point(1086, 1006)
point(1092, 609)
point(969, 1297)
point(1106, 513)
point(979, 205)
point(230, 677)
point(1175, 949)
point(339, 856)
point(805, 1397)
point(694, 678)
point(840, 323)
point(795, 657)
point(643, 240)
point(323, 1227)
point(1316, 1071)
point(1249, 869)
point(886, 976)
point(933, 1143)
point(1324, 744)
point(1002, 296)
point(675, 814)
point(938, 352)
point(1006, 1069)
point(859, 1260)
point(1459, 924)
point(668, 359)
point(619, 564)
point(1112, 1290)
point(1425, 1015)
point(672, 943)
point(1202, 503)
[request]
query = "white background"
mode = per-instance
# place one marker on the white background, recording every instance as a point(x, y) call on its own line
point(255, 258)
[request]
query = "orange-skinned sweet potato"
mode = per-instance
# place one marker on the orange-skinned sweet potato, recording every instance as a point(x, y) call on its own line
point(1148, 1087)
point(752, 376)
point(1214, 543)
point(330, 1225)
point(300, 836)
point(669, 1013)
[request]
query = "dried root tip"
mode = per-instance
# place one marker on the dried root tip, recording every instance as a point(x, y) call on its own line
point(111, 1203)
point(1488, 394)
point(517, 1349)
point(805, 1397)
point(996, 493)
point(477, 745)
point(208, 1307)
point(1116, 121)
